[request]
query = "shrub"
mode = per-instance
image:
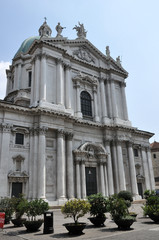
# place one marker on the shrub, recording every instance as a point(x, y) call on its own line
point(75, 209)
point(117, 207)
point(7, 207)
point(152, 206)
point(98, 205)
point(18, 204)
point(35, 208)
point(149, 193)
point(127, 196)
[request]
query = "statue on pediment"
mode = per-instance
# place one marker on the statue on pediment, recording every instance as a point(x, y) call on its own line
point(81, 33)
point(59, 29)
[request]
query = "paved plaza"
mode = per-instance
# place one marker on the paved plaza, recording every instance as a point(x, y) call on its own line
point(143, 229)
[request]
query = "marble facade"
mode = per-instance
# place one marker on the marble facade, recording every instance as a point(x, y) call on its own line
point(60, 143)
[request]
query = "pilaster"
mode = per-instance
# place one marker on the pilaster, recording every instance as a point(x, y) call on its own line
point(60, 82)
point(145, 167)
point(61, 187)
point(69, 159)
point(134, 187)
point(42, 163)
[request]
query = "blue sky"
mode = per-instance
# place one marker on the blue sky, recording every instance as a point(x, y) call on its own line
point(129, 27)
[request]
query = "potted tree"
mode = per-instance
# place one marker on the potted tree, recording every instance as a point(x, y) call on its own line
point(75, 209)
point(98, 209)
point(18, 204)
point(151, 208)
point(127, 196)
point(6, 206)
point(33, 209)
point(119, 211)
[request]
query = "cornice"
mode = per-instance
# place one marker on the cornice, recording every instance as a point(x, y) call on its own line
point(38, 111)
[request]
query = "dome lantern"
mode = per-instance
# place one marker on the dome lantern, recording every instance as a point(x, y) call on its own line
point(45, 30)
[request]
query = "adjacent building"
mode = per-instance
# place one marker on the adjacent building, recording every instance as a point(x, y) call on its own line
point(155, 161)
point(64, 126)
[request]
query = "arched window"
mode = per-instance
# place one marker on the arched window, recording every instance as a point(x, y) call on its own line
point(86, 107)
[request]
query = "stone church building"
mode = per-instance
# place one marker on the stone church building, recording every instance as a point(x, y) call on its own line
point(64, 127)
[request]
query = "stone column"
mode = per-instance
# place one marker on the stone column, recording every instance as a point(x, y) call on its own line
point(4, 158)
point(33, 83)
point(121, 171)
point(70, 179)
point(31, 165)
point(103, 100)
point(78, 180)
point(35, 162)
point(83, 179)
point(106, 179)
point(134, 187)
point(125, 111)
point(109, 169)
point(61, 188)
point(37, 77)
point(108, 93)
point(152, 180)
point(113, 97)
point(19, 73)
point(145, 167)
point(43, 79)
point(101, 171)
point(78, 100)
point(115, 168)
point(42, 164)
point(60, 82)
point(68, 87)
point(15, 77)
point(96, 117)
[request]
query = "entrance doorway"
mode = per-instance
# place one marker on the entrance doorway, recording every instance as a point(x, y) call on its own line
point(16, 189)
point(91, 181)
point(140, 190)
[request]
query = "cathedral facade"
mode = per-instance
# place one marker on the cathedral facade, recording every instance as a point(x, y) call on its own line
point(64, 127)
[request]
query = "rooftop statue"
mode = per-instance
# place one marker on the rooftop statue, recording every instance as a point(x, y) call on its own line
point(59, 29)
point(81, 33)
point(107, 51)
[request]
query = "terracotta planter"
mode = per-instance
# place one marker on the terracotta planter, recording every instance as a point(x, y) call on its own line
point(98, 222)
point(33, 226)
point(75, 228)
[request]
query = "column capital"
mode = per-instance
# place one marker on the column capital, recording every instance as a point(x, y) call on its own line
point(69, 135)
point(61, 133)
point(123, 84)
point(43, 130)
point(6, 127)
point(59, 61)
point(130, 143)
point(67, 66)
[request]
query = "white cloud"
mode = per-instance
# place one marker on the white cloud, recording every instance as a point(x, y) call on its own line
point(3, 78)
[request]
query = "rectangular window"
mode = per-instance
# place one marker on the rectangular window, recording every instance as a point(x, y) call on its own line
point(29, 78)
point(136, 152)
point(154, 155)
point(19, 138)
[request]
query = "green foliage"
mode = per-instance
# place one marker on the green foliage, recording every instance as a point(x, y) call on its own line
point(117, 207)
point(149, 193)
point(98, 205)
point(7, 207)
point(75, 209)
point(34, 208)
point(18, 204)
point(152, 205)
point(127, 196)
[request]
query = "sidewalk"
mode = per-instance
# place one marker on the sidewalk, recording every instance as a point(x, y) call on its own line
point(90, 232)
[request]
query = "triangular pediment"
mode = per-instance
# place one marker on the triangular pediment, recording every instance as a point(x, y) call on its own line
point(84, 51)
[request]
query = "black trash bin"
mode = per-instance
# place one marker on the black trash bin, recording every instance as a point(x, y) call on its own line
point(48, 223)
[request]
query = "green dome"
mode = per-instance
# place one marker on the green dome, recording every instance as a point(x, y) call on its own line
point(26, 45)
